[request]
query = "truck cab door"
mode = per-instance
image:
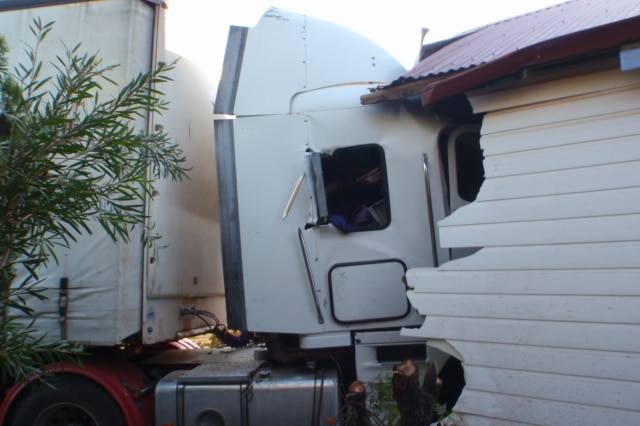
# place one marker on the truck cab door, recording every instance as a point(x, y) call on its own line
point(350, 191)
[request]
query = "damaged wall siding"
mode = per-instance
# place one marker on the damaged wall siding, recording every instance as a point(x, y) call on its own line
point(545, 315)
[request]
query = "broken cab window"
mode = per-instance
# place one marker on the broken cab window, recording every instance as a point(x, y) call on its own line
point(355, 188)
point(470, 171)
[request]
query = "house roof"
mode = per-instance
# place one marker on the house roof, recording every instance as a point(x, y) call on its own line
point(571, 29)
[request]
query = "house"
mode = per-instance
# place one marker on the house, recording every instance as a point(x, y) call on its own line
point(544, 313)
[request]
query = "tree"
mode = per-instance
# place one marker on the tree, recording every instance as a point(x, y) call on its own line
point(69, 158)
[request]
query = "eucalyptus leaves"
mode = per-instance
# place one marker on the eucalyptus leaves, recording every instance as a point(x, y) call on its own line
point(69, 156)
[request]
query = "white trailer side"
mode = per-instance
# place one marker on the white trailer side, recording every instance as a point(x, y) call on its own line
point(116, 290)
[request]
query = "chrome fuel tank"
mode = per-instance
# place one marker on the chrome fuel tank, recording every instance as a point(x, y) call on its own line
point(246, 392)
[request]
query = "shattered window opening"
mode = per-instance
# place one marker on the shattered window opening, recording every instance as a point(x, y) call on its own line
point(356, 189)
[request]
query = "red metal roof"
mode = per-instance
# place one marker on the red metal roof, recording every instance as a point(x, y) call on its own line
point(511, 39)
point(501, 38)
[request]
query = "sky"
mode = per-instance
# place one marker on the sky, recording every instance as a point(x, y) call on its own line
point(198, 28)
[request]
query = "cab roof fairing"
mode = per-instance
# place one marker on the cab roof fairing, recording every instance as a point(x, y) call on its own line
point(287, 54)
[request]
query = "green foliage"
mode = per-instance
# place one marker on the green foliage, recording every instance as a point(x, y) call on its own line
point(380, 399)
point(381, 408)
point(375, 406)
point(23, 354)
point(69, 158)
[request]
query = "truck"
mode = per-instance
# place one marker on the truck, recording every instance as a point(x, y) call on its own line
point(478, 211)
point(296, 226)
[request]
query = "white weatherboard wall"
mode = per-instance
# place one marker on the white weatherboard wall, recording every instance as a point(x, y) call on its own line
point(546, 316)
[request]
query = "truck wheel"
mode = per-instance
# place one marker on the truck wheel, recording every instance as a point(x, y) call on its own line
point(67, 400)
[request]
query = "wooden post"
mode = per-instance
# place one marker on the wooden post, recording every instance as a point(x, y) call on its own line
point(431, 385)
point(357, 399)
point(415, 402)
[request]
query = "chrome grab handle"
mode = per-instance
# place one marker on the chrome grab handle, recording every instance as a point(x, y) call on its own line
point(432, 227)
point(312, 283)
point(293, 196)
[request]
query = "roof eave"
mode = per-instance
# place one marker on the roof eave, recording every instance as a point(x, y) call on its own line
point(576, 44)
